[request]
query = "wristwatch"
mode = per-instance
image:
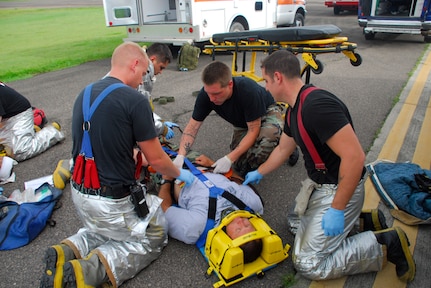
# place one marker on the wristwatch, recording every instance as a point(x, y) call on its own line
point(164, 181)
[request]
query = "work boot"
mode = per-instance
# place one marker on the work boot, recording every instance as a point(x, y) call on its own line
point(398, 252)
point(88, 272)
point(293, 158)
point(372, 220)
point(2, 150)
point(56, 125)
point(61, 174)
point(55, 257)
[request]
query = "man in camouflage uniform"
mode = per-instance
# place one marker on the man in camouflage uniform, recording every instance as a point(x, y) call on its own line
point(257, 119)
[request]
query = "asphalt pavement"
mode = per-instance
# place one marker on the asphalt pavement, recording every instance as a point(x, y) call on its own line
point(369, 96)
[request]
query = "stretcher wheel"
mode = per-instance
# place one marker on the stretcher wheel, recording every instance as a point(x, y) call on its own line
point(319, 68)
point(51, 222)
point(260, 275)
point(358, 60)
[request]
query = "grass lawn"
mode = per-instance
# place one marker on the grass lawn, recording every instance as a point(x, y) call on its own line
point(41, 40)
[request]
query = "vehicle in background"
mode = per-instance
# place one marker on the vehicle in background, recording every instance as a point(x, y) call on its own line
point(396, 17)
point(342, 5)
point(193, 21)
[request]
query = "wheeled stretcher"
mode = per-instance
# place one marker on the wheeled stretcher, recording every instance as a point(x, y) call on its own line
point(306, 40)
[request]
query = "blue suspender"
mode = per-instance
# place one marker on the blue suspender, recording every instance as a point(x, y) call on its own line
point(88, 111)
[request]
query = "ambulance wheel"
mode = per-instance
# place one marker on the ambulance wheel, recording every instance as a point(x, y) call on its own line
point(369, 35)
point(174, 50)
point(260, 275)
point(236, 27)
point(337, 10)
point(319, 68)
point(299, 20)
point(358, 60)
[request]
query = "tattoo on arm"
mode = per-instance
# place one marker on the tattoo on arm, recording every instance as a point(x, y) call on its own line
point(188, 134)
point(188, 147)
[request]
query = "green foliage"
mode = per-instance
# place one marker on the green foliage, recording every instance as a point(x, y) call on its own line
point(41, 40)
point(288, 280)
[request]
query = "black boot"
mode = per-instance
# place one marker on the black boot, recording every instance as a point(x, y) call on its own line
point(372, 220)
point(88, 272)
point(293, 157)
point(398, 252)
point(55, 257)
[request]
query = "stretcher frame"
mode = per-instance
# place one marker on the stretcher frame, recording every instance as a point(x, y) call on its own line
point(309, 41)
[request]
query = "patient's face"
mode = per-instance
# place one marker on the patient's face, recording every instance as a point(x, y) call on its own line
point(238, 227)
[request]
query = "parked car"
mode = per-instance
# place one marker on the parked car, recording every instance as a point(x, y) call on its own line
point(342, 5)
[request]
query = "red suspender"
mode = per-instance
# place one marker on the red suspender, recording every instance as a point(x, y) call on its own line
point(318, 163)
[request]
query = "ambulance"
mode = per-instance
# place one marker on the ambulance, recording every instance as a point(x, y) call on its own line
point(395, 17)
point(179, 21)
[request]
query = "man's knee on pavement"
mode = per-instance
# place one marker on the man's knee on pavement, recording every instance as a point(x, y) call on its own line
point(308, 268)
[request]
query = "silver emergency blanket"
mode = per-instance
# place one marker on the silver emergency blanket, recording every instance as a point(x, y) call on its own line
point(21, 141)
point(123, 241)
point(317, 257)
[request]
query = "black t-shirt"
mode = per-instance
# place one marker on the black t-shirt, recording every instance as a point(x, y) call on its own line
point(323, 115)
point(11, 102)
point(249, 102)
point(123, 118)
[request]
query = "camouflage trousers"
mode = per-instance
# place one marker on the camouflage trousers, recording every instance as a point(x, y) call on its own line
point(268, 138)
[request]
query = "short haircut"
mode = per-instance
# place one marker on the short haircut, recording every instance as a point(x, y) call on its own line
point(282, 61)
point(216, 72)
point(126, 52)
point(161, 51)
point(251, 250)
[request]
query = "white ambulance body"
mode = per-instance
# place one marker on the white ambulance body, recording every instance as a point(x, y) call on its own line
point(179, 21)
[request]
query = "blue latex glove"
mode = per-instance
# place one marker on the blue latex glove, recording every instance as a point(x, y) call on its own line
point(171, 124)
point(186, 176)
point(170, 134)
point(252, 177)
point(333, 222)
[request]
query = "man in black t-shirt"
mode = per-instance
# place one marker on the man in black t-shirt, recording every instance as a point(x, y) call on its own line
point(17, 133)
point(333, 195)
point(117, 240)
point(256, 117)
